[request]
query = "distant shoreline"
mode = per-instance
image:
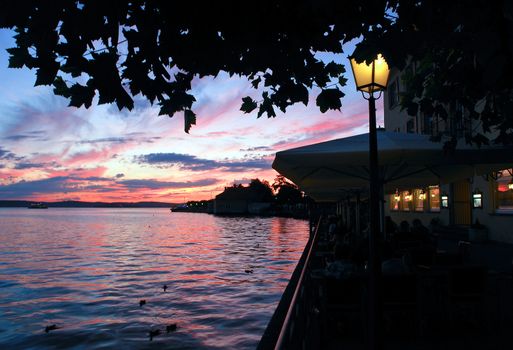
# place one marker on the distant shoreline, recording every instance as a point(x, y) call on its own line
point(79, 204)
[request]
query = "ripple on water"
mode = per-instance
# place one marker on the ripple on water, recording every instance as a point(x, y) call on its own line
point(87, 269)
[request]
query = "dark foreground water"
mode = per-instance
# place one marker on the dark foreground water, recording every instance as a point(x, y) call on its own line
point(85, 270)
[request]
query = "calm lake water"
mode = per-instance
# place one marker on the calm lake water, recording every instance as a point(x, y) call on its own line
point(85, 270)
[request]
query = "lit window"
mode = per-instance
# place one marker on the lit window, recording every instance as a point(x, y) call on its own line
point(407, 200)
point(445, 201)
point(419, 198)
point(504, 191)
point(477, 199)
point(395, 200)
point(434, 198)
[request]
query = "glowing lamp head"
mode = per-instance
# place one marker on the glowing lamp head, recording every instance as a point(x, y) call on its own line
point(370, 78)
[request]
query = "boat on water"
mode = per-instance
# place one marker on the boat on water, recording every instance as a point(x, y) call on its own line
point(180, 208)
point(37, 206)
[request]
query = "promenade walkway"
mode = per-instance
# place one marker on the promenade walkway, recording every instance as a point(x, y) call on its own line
point(442, 314)
point(460, 297)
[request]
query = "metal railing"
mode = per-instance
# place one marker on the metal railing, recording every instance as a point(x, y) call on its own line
point(294, 331)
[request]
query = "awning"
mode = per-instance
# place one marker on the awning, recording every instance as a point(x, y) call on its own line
point(328, 170)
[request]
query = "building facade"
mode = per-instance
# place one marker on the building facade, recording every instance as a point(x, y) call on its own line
point(240, 200)
point(486, 199)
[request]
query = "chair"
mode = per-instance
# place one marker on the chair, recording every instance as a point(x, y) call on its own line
point(464, 250)
point(400, 303)
point(466, 289)
point(342, 304)
point(448, 259)
point(422, 256)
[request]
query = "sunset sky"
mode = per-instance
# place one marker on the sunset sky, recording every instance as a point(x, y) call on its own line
point(51, 152)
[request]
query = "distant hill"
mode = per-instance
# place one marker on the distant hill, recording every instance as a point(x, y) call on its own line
point(78, 204)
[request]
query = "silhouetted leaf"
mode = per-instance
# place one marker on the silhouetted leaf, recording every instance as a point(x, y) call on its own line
point(334, 69)
point(46, 75)
point(189, 118)
point(61, 88)
point(178, 101)
point(295, 93)
point(18, 57)
point(248, 105)
point(266, 107)
point(329, 99)
point(256, 82)
point(81, 96)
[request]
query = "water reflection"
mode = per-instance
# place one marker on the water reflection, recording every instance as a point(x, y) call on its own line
point(87, 269)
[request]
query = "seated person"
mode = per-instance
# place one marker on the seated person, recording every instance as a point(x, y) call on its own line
point(342, 266)
point(402, 235)
point(332, 227)
point(390, 226)
point(340, 235)
point(420, 231)
point(404, 227)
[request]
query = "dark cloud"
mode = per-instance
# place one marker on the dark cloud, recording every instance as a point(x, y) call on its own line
point(189, 162)
point(3, 153)
point(8, 155)
point(18, 137)
point(155, 185)
point(257, 149)
point(25, 189)
point(131, 137)
point(287, 141)
point(29, 165)
point(71, 184)
point(34, 135)
point(90, 178)
point(120, 175)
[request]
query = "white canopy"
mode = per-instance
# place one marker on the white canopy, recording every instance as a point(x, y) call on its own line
point(327, 170)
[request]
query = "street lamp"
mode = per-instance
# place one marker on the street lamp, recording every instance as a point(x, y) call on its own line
point(371, 80)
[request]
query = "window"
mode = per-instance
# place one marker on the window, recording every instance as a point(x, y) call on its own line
point(427, 124)
point(444, 201)
point(504, 191)
point(477, 199)
point(393, 94)
point(395, 200)
point(410, 126)
point(434, 198)
point(419, 196)
point(407, 199)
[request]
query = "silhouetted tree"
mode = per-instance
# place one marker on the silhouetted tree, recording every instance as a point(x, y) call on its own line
point(463, 54)
point(154, 48)
point(262, 188)
point(286, 191)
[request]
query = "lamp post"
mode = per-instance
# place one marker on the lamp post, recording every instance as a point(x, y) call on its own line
point(371, 80)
